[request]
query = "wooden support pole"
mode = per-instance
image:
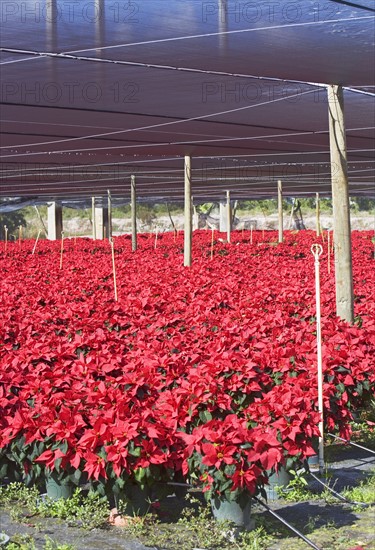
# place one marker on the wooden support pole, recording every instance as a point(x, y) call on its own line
point(280, 209)
point(113, 268)
point(36, 241)
point(229, 217)
point(133, 199)
point(93, 216)
point(109, 214)
point(41, 221)
point(188, 213)
point(61, 249)
point(6, 237)
point(341, 205)
point(329, 251)
point(156, 239)
point(55, 222)
point(291, 214)
point(317, 210)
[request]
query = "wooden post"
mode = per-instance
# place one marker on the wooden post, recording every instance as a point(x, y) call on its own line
point(156, 238)
point(291, 215)
point(41, 221)
point(133, 199)
point(36, 242)
point(329, 251)
point(341, 205)
point(93, 218)
point(188, 213)
point(229, 217)
point(109, 214)
point(62, 249)
point(113, 268)
point(317, 211)
point(55, 222)
point(280, 209)
point(6, 237)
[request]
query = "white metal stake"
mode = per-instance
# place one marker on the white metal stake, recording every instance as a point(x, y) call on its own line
point(36, 242)
point(251, 234)
point(113, 268)
point(317, 250)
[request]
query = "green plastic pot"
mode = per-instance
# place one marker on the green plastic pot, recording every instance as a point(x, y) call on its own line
point(135, 501)
point(236, 512)
point(57, 488)
point(314, 459)
point(278, 479)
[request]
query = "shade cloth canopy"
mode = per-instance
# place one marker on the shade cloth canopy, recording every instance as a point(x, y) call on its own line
point(93, 92)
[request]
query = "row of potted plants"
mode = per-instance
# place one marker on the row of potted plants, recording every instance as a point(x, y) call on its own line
point(207, 375)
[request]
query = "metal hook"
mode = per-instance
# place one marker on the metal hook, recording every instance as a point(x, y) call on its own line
point(317, 250)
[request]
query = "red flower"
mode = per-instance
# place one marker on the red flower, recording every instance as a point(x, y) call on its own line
point(215, 453)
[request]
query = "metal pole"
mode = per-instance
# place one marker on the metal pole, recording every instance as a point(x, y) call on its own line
point(317, 250)
point(188, 213)
point(133, 198)
point(229, 217)
point(341, 205)
point(280, 209)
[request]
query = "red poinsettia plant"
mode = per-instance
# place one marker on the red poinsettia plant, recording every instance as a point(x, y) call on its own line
point(209, 372)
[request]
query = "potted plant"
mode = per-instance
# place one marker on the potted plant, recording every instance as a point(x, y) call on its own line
point(230, 460)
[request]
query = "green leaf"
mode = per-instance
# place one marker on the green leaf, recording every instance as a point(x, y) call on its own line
point(205, 416)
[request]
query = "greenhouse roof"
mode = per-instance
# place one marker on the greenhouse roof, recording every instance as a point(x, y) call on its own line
point(93, 92)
